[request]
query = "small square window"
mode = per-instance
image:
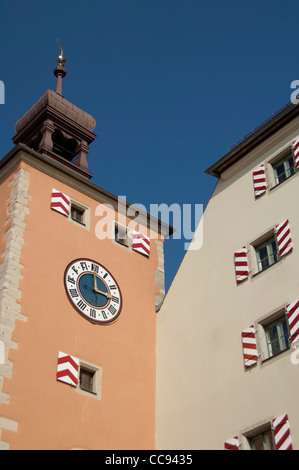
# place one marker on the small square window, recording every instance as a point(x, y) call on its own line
point(121, 234)
point(77, 214)
point(284, 168)
point(267, 253)
point(90, 378)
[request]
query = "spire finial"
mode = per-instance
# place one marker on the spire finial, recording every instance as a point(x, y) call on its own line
point(60, 71)
point(61, 60)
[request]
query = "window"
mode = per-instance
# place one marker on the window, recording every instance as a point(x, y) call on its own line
point(266, 254)
point(274, 334)
point(277, 336)
point(121, 234)
point(90, 377)
point(284, 169)
point(260, 437)
point(87, 380)
point(77, 214)
point(262, 441)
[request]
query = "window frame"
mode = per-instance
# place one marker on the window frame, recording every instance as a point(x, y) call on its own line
point(86, 379)
point(280, 156)
point(253, 432)
point(263, 434)
point(128, 239)
point(77, 206)
point(284, 161)
point(76, 210)
point(254, 245)
point(268, 244)
point(262, 324)
point(270, 343)
point(96, 373)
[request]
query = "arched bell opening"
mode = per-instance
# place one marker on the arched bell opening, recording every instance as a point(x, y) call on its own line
point(64, 147)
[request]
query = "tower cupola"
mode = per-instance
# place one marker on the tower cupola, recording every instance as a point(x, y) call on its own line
point(56, 128)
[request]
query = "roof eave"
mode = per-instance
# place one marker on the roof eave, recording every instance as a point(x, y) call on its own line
point(256, 137)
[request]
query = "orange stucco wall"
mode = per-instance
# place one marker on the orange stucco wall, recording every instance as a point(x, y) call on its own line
point(51, 414)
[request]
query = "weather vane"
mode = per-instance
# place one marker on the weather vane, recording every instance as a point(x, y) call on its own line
point(61, 60)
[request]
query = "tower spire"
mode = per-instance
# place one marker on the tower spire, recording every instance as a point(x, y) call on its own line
point(60, 71)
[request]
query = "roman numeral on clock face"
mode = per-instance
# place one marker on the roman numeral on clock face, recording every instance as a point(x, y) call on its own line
point(74, 292)
point(81, 305)
point(112, 310)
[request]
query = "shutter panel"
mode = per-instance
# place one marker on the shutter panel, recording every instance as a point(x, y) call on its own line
point(284, 239)
point(232, 444)
point(259, 181)
point(249, 347)
point(292, 311)
point(241, 265)
point(60, 202)
point(141, 243)
point(296, 152)
point(282, 435)
point(68, 369)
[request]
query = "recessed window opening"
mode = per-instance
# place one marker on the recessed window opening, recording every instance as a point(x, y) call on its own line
point(277, 336)
point(77, 214)
point(87, 380)
point(267, 253)
point(121, 234)
point(262, 441)
point(284, 169)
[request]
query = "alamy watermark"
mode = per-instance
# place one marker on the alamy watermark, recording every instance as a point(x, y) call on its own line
point(2, 92)
point(295, 94)
point(186, 219)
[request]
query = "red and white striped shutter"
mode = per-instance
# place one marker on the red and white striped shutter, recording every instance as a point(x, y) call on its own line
point(292, 311)
point(296, 152)
point(249, 347)
point(68, 369)
point(60, 202)
point(259, 181)
point(141, 243)
point(241, 265)
point(232, 444)
point(284, 239)
point(282, 435)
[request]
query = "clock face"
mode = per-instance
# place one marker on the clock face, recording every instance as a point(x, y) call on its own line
point(93, 291)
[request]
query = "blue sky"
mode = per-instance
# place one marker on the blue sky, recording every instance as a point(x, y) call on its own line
point(172, 84)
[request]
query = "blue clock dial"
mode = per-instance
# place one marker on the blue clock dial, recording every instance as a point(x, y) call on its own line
point(90, 294)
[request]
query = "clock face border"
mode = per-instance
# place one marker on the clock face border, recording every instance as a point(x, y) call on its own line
point(74, 305)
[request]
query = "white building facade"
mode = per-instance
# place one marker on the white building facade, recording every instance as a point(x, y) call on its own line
point(227, 363)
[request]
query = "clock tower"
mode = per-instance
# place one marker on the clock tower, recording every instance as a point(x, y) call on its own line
point(77, 303)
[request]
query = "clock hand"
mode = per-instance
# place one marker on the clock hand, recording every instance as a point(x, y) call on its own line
point(109, 296)
point(95, 286)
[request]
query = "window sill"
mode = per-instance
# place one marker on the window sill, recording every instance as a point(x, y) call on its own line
point(278, 185)
point(265, 269)
point(88, 391)
point(122, 243)
point(266, 359)
point(78, 222)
